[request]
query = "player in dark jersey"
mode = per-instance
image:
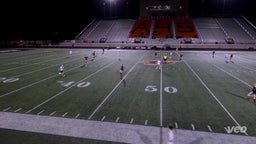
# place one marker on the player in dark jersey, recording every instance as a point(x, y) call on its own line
point(254, 93)
point(121, 71)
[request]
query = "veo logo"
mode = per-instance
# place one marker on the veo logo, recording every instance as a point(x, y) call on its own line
point(236, 129)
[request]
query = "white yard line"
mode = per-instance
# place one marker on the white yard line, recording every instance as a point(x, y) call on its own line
point(31, 64)
point(27, 86)
point(35, 83)
point(99, 106)
point(49, 99)
point(232, 76)
point(212, 94)
point(161, 95)
point(45, 68)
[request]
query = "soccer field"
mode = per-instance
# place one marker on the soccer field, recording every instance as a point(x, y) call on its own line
point(199, 92)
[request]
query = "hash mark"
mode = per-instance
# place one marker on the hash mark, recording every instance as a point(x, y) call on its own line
point(176, 125)
point(52, 113)
point(209, 128)
point(40, 112)
point(77, 116)
point(103, 118)
point(146, 122)
point(64, 114)
point(193, 127)
point(117, 119)
point(18, 110)
point(7, 109)
point(131, 121)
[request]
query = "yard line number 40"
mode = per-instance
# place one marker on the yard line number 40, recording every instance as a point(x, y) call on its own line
point(153, 88)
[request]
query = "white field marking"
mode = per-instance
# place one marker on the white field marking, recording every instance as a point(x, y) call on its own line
point(212, 94)
point(35, 83)
point(61, 92)
point(193, 127)
point(176, 125)
point(233, 76)
point(209, 128)
point(23, 62)
point(44, 68)
point(114, 88)
point(77, 116)
point(161, 95)
point(132, 120)
point(40, 112)
point(146, 122)
point(117, 119)
point(7, 109)
point(64, 114)
point(103, 118)
point(18, 110)
point(52, 113)
point(30, 64)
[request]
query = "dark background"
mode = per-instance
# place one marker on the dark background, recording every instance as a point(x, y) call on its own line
point(49, 19)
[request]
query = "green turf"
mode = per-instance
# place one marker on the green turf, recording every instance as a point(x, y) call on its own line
point(144, 97)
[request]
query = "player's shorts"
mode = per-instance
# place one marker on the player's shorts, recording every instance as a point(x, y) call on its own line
point(121, 71)
point(254, 96)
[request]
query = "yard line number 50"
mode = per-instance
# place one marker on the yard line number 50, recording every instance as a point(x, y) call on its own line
point(168, 89)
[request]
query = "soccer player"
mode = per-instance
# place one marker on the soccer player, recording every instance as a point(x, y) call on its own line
point(170, 135)
point(61, 70)
point(165, 58)
point(226, 58)
point(213, 53)
point(121, 71)
point(85, 60)
point(230, 58)
point(158, 64)
point(254, 93)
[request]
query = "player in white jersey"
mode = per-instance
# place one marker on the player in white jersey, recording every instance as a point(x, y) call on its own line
point(61, 70)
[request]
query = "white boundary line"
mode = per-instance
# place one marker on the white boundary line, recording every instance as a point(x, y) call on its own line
point(99, 106)
point(212, 94)
point(49, 99)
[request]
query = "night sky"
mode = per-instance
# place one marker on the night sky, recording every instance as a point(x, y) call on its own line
point(44, 19)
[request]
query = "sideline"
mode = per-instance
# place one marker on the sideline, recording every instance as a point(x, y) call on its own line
point(107, 131)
